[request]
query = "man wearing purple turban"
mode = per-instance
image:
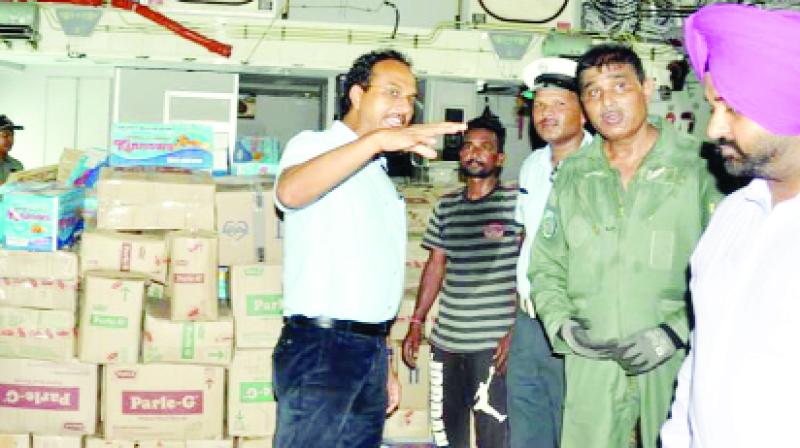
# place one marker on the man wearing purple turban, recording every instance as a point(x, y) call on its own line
point(740, 384)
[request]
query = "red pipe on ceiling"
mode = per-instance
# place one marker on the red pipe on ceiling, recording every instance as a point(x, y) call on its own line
point(210, 44)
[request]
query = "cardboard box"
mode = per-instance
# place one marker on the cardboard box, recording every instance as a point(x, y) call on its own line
point(46, 280)
point(164, 340)
point(42, 441)
point(47, 398)
point(161, 444)
point(407, 423)
point(192, 284)
point(257, 298)
point(99, 442)
point(126, 252)
point(255, 442)
point(41, 217)
point(37, 334)
point(15, 441)
point(161, 144)
point(247, 223)
point(415, 383)
point(224, 443)
point(163, 401)
point(252, 410)
point(111, 316)
point(152, 200)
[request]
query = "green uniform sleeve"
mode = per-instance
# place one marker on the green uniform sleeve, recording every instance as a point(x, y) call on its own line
point(548, 274)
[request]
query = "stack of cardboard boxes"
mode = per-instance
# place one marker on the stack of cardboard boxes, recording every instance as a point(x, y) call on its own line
point(147, 362)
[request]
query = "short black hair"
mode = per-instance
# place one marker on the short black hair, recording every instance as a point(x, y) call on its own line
point(361, 72)
point(490, 123)
point(609, 54)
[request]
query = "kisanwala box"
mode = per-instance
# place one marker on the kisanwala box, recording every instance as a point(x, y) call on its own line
point(141, 199)
point(192, 286)
point(251, 402)
point(191, 342)
point(126, 252)
point(111, 316)
point(47, 280)
point(37, 334)
point(257, 299)
point(163, 401)
point(46, 397)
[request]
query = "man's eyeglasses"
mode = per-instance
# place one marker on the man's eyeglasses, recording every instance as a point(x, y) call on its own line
point(395, 93)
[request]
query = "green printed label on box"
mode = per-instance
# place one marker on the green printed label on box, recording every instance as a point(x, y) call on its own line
point(187, 340)
point(256, 392)
point(269, 305)
point(100, 320)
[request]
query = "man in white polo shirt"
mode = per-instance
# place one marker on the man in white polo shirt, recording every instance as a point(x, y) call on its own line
point(535, 374)
point(344, 249)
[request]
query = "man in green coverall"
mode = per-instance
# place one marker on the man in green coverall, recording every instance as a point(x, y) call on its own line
point(609, 263)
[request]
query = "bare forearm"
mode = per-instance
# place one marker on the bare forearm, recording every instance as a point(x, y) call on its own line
point(429, 288)
point(302, 184)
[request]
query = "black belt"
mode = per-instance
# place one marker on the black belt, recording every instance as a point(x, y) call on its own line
point(381, 329)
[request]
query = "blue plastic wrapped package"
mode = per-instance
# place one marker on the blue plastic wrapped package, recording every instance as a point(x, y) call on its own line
point(41, 217)
point(158, 144)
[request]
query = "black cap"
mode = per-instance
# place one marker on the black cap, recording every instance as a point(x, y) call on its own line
point(7, 125)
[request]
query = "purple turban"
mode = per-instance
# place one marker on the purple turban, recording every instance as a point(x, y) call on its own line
point(753, 56)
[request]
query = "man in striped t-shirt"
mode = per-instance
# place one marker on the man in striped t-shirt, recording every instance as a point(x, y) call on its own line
point(474, 242)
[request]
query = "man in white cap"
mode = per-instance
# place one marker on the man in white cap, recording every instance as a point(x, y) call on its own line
point(8, 164)
point(535, 375)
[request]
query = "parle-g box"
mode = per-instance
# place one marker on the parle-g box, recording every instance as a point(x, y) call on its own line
point(47, 397)
point(163, 401)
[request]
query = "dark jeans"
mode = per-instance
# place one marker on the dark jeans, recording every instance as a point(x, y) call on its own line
point(535, 387)
point(331, 388)
point(455, 378)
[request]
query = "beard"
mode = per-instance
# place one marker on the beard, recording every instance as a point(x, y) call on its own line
point(476, 170)
point(749, 165)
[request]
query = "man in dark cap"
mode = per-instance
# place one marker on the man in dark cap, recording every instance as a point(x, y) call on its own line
point(8, 164)
point(738, 386)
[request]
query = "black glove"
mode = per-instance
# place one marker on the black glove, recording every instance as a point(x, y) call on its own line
point(647, 349)
point(573, 332)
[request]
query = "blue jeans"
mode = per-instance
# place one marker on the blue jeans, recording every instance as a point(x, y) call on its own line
point(535, 381)
point(331, 388)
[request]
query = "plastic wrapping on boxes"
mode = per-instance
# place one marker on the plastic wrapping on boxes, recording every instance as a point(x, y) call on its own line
point(192, 284)
point(251, 403)
point(47, 398)
point(131, 199)
point(126, 252)
point(40, 216)
point(37, 334)
point(208, 342)
point(248, 226)
point(111, 315)
point(162, 401)
point(257, 298)
point(161, 144)
point(46, 280)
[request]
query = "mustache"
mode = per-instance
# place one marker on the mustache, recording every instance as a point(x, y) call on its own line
point(722, 141)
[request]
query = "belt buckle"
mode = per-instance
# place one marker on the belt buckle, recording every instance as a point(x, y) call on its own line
point(324, 322)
